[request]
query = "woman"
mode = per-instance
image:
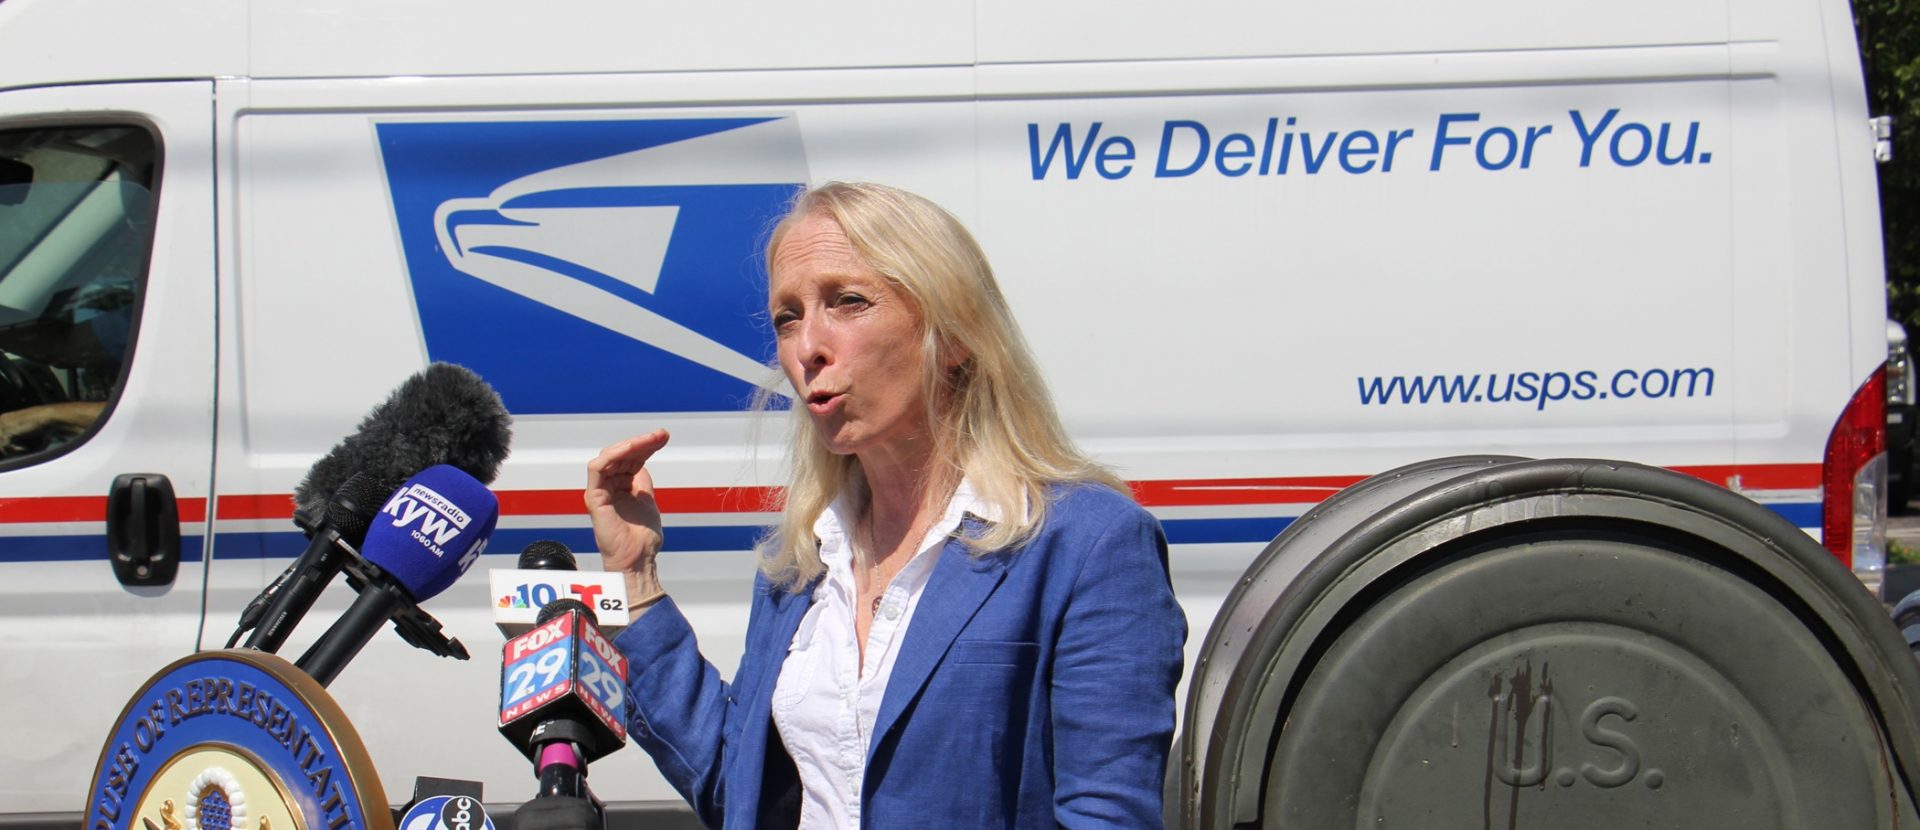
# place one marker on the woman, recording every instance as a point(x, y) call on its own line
point(960, 621)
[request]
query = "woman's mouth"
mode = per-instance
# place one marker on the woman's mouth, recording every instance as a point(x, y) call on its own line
point(821, 403)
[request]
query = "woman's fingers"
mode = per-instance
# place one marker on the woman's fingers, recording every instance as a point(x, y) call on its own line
point(620, 469)
point(620, 503)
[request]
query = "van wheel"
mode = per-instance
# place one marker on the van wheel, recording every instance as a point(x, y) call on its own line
point(1578, 671)
point(1561, 643)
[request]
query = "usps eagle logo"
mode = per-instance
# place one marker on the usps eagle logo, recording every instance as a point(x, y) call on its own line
point(596, 266)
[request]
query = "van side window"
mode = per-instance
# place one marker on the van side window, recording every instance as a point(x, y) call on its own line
point(76, 226)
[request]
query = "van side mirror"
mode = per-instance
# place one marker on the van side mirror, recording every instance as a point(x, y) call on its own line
point(15, 176)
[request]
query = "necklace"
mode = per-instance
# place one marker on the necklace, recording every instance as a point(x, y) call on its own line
point(865, 528)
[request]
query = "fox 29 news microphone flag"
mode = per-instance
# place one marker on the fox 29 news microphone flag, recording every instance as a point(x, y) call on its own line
point(564, 669)
point(234, 740)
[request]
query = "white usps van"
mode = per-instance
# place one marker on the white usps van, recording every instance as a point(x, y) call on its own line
point(1263, 250)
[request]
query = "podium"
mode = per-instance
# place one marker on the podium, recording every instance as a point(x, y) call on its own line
point(234, 739)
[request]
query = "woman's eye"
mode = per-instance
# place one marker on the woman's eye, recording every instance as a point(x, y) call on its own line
point(851, 299)
point(784, 319)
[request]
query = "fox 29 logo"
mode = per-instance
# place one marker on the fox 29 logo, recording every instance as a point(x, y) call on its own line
point(447, 812)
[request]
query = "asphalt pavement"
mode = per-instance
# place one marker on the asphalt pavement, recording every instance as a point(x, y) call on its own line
point(1905, 528)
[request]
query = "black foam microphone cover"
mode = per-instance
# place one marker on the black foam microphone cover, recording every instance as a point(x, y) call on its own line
point(444, 414)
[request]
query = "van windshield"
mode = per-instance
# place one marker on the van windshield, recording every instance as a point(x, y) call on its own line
point(76, 214)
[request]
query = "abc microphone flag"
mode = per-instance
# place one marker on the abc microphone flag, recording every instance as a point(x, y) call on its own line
point(446, 812)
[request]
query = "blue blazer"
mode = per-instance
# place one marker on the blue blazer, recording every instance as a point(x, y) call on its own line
point(1034, 688)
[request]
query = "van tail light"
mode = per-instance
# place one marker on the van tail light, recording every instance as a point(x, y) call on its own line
point(1853, 485)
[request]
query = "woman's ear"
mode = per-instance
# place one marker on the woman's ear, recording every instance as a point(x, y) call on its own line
point(959, 371)
point(956, 356)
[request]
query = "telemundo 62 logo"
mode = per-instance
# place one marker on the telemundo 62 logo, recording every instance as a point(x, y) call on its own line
point(447, 812)
point(595, 266)
point(533, 596)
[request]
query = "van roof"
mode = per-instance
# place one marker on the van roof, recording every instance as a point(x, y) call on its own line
point(72, 41)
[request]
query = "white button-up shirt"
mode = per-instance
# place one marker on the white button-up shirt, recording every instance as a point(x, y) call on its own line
point(825, 701)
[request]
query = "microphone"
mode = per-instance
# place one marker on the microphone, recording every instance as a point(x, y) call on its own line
point(443, 415)
point(558, 737)
point(562, 697)
point(274, 612)
point(427, 535)
point(546, 555)
point(458, 811)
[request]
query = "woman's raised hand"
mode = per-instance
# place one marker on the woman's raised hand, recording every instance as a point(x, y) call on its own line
point(626, 521)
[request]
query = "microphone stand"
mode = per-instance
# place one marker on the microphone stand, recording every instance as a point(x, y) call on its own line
point(563, 802)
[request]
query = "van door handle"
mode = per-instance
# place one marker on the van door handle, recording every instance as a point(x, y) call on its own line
point(143, 529)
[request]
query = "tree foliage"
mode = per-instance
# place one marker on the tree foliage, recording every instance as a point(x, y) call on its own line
point(1889, 32)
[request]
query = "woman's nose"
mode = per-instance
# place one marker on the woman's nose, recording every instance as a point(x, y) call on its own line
point(812, 342)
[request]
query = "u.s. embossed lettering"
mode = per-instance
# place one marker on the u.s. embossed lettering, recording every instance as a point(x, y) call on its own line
point(1522, 718)
point(1599, 735)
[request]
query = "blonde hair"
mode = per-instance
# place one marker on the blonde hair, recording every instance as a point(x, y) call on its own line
point(992, 419)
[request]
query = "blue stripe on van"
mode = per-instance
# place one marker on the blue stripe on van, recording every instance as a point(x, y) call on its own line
point(1806, 514)
point(1203, 531)
point(76, 548)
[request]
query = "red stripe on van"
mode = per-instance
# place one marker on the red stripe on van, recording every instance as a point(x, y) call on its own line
point(81, 509)
point(1224, 491)
point(54, 509)
point(276, 506)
